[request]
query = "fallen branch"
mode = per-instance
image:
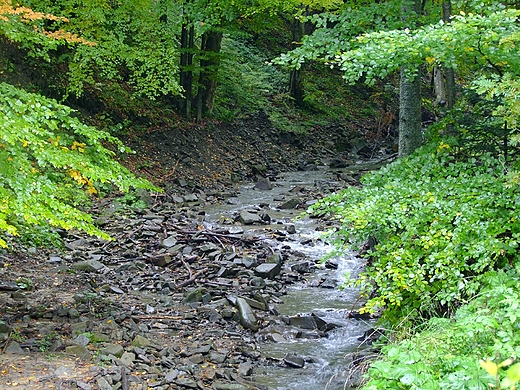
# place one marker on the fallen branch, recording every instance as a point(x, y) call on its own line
point(158, 317)
point(191, 280)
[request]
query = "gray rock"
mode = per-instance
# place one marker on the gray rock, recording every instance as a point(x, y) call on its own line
point(171, 376)
point(263, 184)
point(128, 358)
point(197, 358)
point(190, 198)
point(246, 315)
point(88, 266)
point(112, 349)
point(248, 218)
point(290, 228)
point(303, 267)
point(78, 350)
point(294, 361)
point(186, 382)
point(193, 296)
point(217, 358)
point(116, 290)
point(219, 385)
point(8, 286)
point(145, 196)
point(248, 261)
point(277, 338)
point(257, 281)
point(103, 384)
point(4, 328)
point(54, 259)
point(208, 247)
point(81, 340)
point(169, 242)
point(268, 270)
point(330, 282)
point(304, 322)
point(290, 204)
point(83, 386)
point(275, 258)
point(245, 368)
point(203, 349)
point(141, 342)
point(14, 348)
point(255, 304)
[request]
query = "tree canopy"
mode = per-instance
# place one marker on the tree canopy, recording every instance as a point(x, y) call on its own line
point(50, 162)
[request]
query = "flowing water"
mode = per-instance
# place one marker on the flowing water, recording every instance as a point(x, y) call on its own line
point(326, 358)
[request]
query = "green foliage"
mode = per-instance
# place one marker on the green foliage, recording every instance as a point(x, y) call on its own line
point(45, 343)
point(246, 80)
point(334, 32)
point(481, 123)
point(121, 41)
point(504, 91)
point(446, 354)
point(48, 161)
point(38, 32)
point(484, 39)
point(439, 225)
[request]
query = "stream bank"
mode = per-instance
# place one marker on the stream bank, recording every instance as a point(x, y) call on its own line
point(199, 290)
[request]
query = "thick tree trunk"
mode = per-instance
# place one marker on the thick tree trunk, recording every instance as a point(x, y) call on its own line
point(410, 126)
point(186, 71)
point(208, 78)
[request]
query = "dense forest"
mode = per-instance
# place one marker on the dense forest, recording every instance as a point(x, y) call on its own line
point(434, 84)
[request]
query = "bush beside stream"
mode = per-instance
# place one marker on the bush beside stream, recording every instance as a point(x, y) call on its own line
point(440, 235)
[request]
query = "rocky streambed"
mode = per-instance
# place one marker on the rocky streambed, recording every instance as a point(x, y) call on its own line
point(217, 290)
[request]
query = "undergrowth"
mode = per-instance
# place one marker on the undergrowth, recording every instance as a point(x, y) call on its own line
point(439, 224)
point(440, 236)
point(446, 354)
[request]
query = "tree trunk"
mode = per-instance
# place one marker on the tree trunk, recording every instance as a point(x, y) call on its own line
point(450, 73)
point(439, 86)
point(444, 79)
point(410, 118)
point(186, 68)
point(208, 78)
point(296, 80)
point(410, 125)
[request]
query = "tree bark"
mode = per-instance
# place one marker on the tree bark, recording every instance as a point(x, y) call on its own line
point(410, 124)
point(450, 73)
point(410, 118)
point(296, 79)
point(208, 78)
point(186, 72)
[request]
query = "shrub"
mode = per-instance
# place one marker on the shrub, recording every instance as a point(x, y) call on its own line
point(446, 354)
point(439, 224)
point(51, 164)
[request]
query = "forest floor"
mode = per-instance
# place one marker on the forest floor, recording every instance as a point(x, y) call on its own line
point(219, 155)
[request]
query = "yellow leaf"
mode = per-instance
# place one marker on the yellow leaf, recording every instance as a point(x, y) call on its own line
point(430, 60)
point(490, 367)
